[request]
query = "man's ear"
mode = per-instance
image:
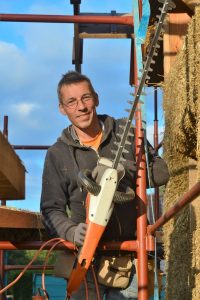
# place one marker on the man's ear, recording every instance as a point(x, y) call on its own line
point(96, 99)
point(61, 109)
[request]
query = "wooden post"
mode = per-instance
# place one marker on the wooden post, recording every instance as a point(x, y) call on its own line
point(175, 30)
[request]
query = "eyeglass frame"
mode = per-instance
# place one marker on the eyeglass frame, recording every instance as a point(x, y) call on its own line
point(89, 97)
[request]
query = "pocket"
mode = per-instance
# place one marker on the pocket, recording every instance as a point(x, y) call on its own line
point(115, 271)
point(64, 264)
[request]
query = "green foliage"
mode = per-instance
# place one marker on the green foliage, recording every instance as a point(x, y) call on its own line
point(23, 289)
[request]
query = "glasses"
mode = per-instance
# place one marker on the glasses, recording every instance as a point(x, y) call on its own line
point(73, 102)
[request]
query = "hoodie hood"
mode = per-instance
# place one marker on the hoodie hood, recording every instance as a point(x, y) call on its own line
point(70, 137)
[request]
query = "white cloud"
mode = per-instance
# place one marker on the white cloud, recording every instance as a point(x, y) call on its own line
point(31, 65)
point(24, 109)
point(13, 66)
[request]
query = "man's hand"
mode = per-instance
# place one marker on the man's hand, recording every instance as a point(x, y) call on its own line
point(79, 234)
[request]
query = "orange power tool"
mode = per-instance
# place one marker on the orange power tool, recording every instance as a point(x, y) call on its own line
point(99, 212)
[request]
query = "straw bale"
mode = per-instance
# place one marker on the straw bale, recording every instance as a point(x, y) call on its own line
point(191, 3)
point(181, 143)
point(196, 203)
point(197, 42)
point(149, 36)
point(177, 241)
point(181, 104)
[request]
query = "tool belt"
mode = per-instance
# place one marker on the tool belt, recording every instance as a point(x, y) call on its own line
point(115, 271)
point(64, 264)
point(112, 271)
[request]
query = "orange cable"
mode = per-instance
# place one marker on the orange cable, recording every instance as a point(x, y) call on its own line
point(30, 263)
point(45, 264)
point(86, 289)
point(95, 283)
point(59, 240)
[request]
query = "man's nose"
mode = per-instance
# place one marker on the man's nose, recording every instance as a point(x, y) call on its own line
point(80, 104)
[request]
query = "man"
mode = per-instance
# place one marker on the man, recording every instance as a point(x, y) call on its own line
point(89, 137)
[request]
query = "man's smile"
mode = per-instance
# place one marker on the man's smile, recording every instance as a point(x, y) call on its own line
point(82, 116)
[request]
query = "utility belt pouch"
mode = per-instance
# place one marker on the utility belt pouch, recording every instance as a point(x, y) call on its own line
point(115, 271)
point(64, 264)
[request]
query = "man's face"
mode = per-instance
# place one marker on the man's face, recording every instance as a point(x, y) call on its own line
point(79, 104)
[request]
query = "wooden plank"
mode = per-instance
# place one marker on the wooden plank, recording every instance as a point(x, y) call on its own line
point(175, 30)
point(12, 172)
point(105, 30)
point(12, 218)
point(85, 35)
point(191, 3)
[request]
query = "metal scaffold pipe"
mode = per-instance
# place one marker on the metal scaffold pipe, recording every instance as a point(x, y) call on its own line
point(32, 245)
point(181, 203)
point(30, 147)
point(123, 19)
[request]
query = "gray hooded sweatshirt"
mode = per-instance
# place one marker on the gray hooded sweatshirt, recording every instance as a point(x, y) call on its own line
point(62, 201)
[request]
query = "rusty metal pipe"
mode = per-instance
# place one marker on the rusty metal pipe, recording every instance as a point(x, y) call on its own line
point(5, 127)
point(155, 118)
point(124, 19)
point(34, 245)
point(156, 190)
point(159, 146)
point(5, 134)
point(30, 147)
point(181, 203)
point(142, 209)
point(21, 267)
point(123, 246)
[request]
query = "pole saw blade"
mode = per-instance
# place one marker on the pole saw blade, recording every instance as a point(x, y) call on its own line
point(101, 205)
point(167, 5)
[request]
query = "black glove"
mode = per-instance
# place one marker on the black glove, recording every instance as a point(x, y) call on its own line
point(79, 234)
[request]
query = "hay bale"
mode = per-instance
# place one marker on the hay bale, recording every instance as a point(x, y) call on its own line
point(181, 143)
point(180, 101)
point(191, 3)
point(196, 203)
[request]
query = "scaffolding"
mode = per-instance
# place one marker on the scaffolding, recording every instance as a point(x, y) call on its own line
point(120, 26)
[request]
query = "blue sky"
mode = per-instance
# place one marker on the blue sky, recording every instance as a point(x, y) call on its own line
point(32, 59)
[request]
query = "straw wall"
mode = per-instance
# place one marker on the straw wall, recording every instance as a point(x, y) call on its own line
point(182, 153)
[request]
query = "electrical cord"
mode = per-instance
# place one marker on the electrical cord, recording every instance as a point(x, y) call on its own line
point(95, 283)
point(86, 289)
point(30, 263)
point(43, 289)
point(44, 268)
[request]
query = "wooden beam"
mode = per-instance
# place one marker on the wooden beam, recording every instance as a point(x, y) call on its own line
point(105, 30)
point(12, 172)
point(12, 218)
point(175, 30)
point(85, 35)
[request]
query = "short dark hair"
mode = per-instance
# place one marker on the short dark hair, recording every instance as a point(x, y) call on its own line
point(72, 77)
